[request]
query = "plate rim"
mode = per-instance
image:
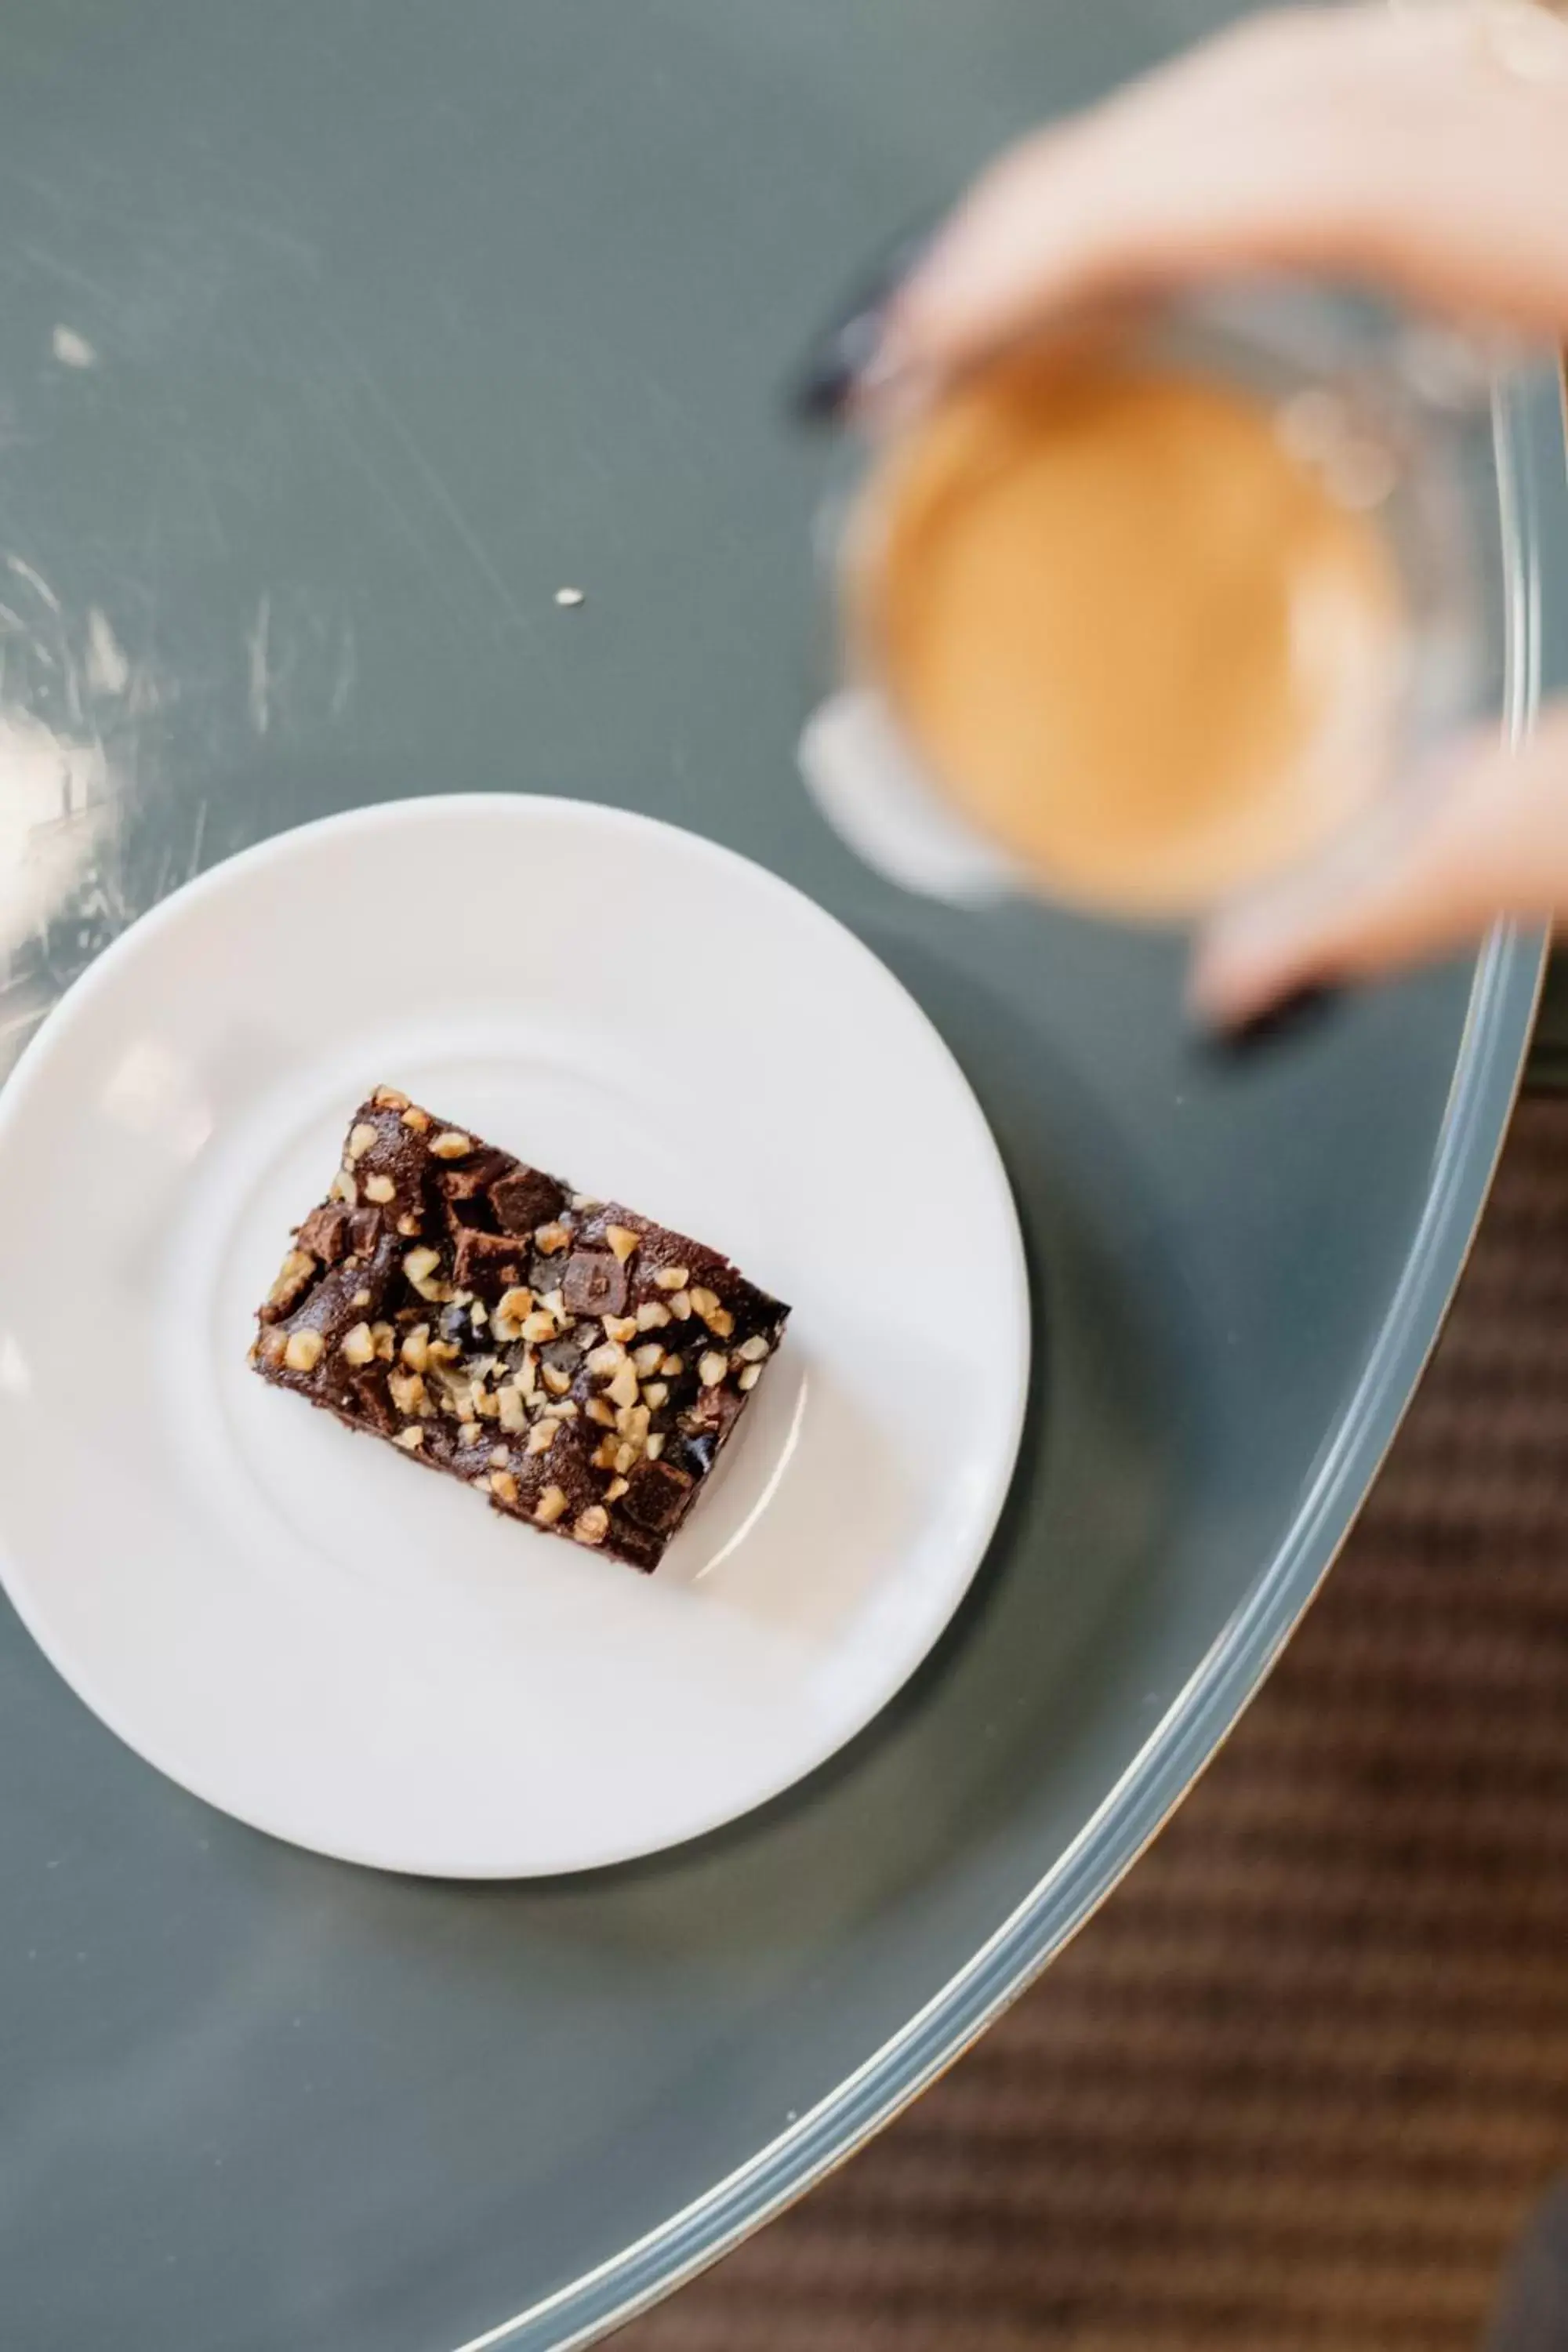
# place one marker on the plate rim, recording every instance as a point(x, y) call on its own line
point(80, 1000)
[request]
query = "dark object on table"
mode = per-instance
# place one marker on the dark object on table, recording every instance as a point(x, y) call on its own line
point(1301, 1014)
point(578, 1364)
point(845, 349)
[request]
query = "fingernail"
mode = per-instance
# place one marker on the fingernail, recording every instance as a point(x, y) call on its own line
point(1301, 1013)
point(851, 351)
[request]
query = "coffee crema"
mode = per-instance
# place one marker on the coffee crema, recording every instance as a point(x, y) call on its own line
point(1132, 639)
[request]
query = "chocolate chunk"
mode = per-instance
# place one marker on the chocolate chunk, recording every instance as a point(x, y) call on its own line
point(525, 1199)
point(713, 1410)
point(325, 1232)
point(368, 1390)
point(465, 1187)
point(594, 1283)
point(365, 1228)
point(656, 1494)
point(424, 1231)
point(486, 1264)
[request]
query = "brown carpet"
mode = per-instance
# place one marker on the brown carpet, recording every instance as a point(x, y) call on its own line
point(1299, 2082)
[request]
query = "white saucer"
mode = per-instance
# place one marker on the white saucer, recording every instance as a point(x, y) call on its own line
point(286, 1617)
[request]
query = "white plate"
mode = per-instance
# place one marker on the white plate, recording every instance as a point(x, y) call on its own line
point(286, 1617)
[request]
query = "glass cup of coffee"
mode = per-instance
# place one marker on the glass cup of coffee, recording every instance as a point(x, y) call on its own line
point(1140, 619)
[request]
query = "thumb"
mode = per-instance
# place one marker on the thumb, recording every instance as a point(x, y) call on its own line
point(1485, 835)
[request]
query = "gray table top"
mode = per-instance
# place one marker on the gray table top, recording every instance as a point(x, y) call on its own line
point(335, 336)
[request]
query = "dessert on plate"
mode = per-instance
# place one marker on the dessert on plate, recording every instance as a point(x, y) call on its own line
point(579, 1365)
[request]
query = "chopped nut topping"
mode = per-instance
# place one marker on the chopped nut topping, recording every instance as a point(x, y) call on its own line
point(507, 1319)
point(593, 1282)
point(643, 1329)
point(292, 1275)
point(420, 1266)
point(358, 1346)
point(303, 1352)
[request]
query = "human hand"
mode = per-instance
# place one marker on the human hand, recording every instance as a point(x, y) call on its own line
point(1485, 836)
point(1423, 149)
